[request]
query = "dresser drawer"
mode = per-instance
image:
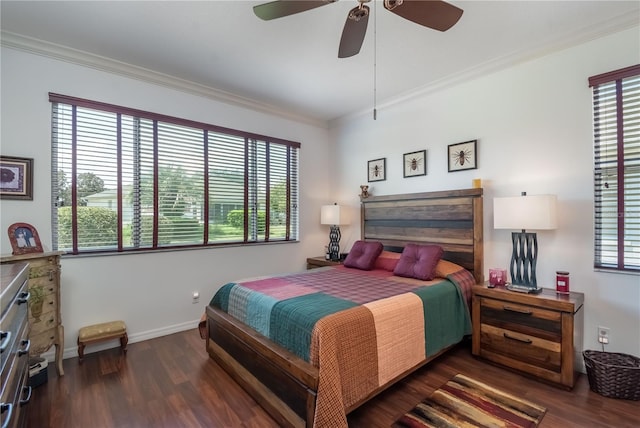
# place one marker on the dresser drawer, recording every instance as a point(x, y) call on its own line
point(42, 266)
point(49, 285)
point(45, 322)
point(41, 342)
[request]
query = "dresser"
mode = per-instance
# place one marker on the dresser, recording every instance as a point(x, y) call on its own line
point(14, 344)
point(44, 304)
point(537, 334)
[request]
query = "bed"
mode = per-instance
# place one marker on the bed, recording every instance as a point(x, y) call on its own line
point(312, 368)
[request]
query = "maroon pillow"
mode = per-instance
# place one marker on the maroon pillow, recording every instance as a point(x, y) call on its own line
point(363, 255)
point(419, 261)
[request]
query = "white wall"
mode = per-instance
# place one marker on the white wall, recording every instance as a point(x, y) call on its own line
point(150, 292)
point(533, 125)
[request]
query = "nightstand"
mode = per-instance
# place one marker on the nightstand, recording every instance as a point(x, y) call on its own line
point(537, 334)
point(316, 262)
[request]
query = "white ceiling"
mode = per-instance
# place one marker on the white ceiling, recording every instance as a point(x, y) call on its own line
point(290, 65)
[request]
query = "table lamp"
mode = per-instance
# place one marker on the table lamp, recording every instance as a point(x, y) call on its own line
point(525, 212)
point(334, 216)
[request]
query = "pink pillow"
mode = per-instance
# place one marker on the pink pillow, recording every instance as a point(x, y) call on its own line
point(387, 260)
point(419, 261)
point(363, 255)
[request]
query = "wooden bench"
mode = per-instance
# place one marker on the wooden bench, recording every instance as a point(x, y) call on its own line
point(101, 332)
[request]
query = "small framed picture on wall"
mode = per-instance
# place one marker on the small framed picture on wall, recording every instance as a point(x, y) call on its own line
point(463, 156)
point(16, 178)
point(377, 169)
point(415, 163)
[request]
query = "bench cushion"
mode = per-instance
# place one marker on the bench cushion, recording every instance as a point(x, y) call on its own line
point(102, 331)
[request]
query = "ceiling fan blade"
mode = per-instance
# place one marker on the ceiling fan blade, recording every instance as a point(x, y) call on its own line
point(355, 27)
point(278, 9)
point(436, 14)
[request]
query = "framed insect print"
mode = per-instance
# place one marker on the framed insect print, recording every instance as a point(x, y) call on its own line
point(415, 163)
point(377, 169)
point(24, 239)
point(16, 178)
point(463, 156)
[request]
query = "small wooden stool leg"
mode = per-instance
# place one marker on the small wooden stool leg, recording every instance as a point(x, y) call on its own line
point(123, 342)
point(80, 351)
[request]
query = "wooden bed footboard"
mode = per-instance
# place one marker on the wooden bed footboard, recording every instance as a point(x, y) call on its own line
point(281, 382)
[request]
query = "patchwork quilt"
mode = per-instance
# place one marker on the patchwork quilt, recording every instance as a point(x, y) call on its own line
point(360, 328)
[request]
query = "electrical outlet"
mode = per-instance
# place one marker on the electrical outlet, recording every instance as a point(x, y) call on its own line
point(196, 297)
point(603, 335)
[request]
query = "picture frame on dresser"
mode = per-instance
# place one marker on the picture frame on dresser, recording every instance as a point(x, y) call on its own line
point(24, 239)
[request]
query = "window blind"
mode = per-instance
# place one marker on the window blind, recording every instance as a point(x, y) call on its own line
point(616, 116)
point(128, 180)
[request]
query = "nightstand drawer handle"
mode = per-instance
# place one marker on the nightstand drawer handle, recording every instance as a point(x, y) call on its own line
point(527, 341)
point(520, 311)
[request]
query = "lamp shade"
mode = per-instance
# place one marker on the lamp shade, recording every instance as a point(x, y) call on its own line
point(537, 212)
point(333, 215)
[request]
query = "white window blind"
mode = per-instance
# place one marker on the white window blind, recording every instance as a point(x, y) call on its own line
point(616, 114)
point(126, 180)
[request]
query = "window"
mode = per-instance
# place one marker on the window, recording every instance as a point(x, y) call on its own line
point(616, 116)
point(128, 180)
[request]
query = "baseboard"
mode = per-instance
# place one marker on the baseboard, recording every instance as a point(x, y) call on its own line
point(72, 351)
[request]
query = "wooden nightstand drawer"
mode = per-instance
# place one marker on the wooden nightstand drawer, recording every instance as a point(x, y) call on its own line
point(522, 347)
point(525, 319)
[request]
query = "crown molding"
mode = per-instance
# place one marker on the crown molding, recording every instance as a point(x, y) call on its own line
point(101, 63)
point(612, 26)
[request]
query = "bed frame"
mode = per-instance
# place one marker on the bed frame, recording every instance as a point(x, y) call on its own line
point(286, 385)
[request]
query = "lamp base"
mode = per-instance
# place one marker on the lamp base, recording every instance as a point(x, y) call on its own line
point(524, 258)
point(334, 243)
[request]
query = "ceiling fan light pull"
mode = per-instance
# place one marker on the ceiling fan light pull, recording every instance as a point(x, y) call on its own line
point(357, 13)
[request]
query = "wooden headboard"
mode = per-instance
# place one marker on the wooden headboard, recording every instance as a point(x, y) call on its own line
point(451, 219)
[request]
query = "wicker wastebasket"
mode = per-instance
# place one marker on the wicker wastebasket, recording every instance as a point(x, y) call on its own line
point(613, 374)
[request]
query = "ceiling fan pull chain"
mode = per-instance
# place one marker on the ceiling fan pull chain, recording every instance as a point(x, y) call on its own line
point(375, 54)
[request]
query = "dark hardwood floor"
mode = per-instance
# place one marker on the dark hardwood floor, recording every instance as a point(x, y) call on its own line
point(171, 382)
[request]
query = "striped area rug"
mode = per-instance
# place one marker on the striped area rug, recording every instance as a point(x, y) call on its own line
point(464, 402)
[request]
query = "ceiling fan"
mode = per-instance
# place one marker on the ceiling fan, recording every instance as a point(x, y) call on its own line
point(436, 14)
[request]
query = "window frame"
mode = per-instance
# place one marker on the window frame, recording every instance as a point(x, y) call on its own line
point(251, 142)
point(626, 167)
